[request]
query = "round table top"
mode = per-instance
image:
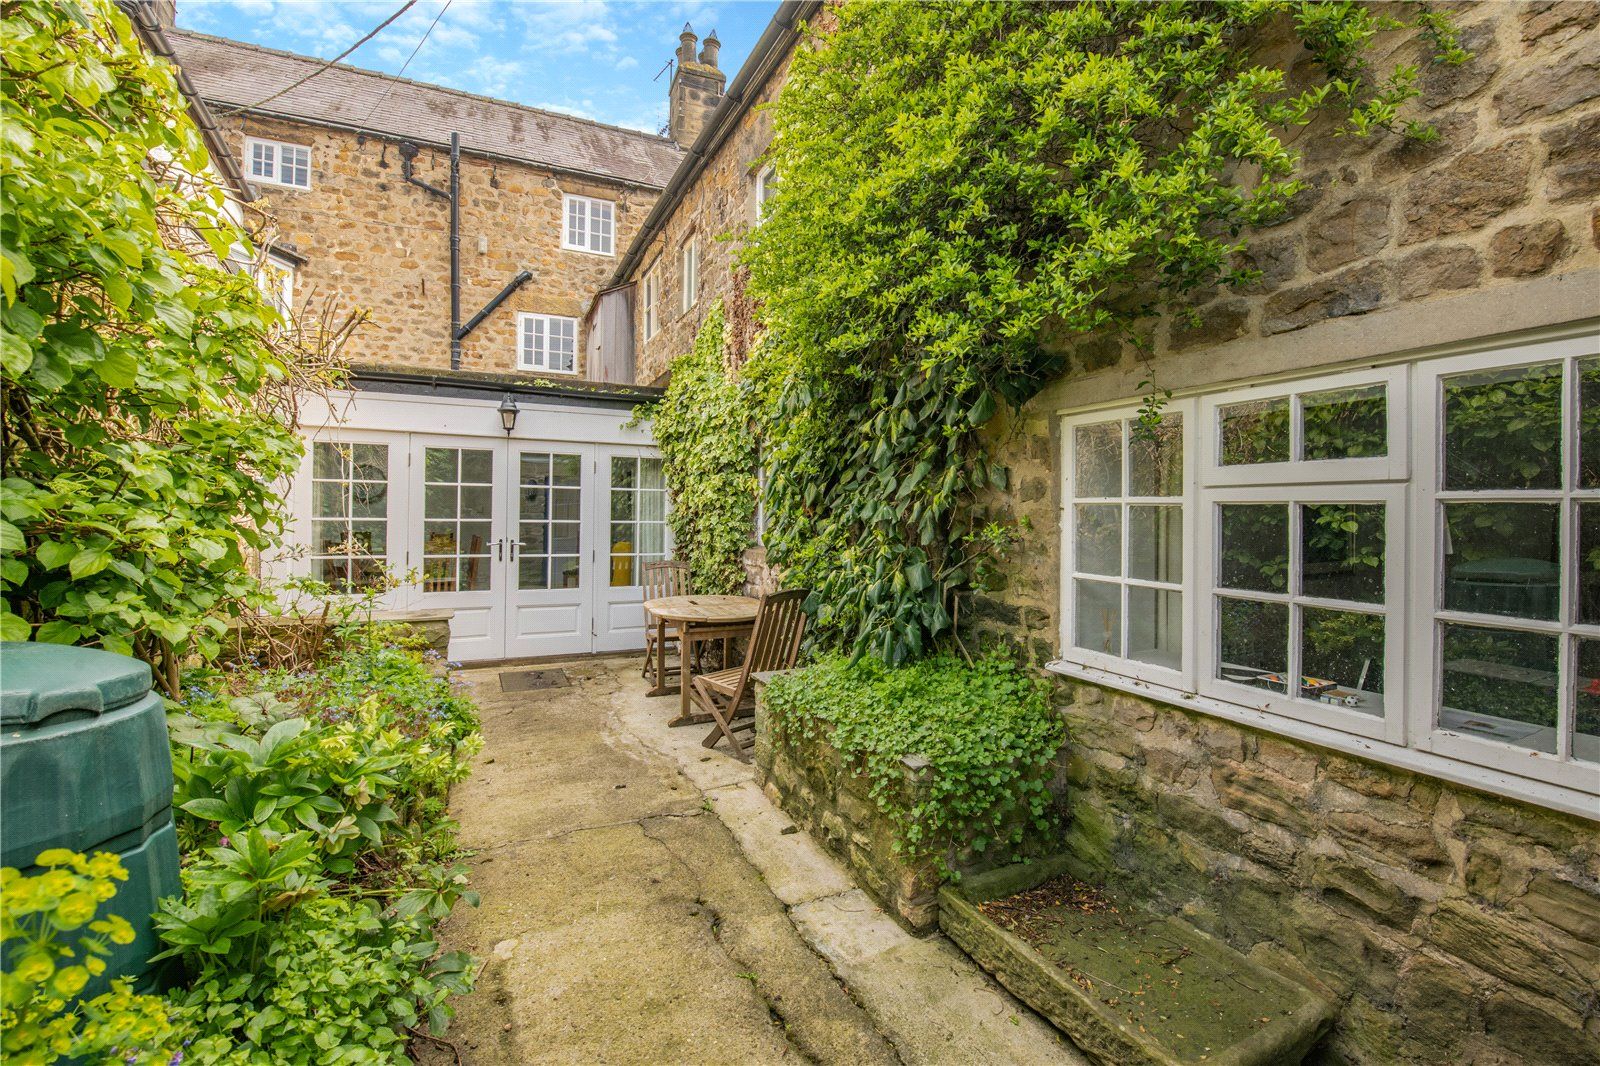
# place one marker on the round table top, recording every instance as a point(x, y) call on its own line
point(704, 608)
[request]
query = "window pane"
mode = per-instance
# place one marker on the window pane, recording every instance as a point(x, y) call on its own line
point(1586, 738)
point(474, 573)
point(477, 467)
point(535, 503)
point(564, 572)
point(1589, 422)
point(650, 474)
point(330, 499)
point(1255, 432)
point(1253, 643)
point(439, 538)
point(475, 538)
point(652, 506)
point(439, 501)
point(622, 536)
point(532, 539)
point(652, 538)
point(564, 537)
point(622, 571)
point(1589, 563)
point(1097, 460)
point(330, 460)
point(371, 499)
point(1255, 546)
point(1341, 659)
point(1346, 423)
point(622, 506)
point(1155, 627)
point(1500, 684)
point(1155, 542)
point(1099, 544)
point(439, 575)
point(623, 472)
point(1155, 459)
point(1503, 429)
point(1503, 558)
point(1097, 616)
point(1342, 551)
point(475, 501)
point(568, 470)
point(533, 573)
point(328, 538)
point(441, 464)
point(535, 468)
point(369, 538)
point(369, 462)
point(565, 504)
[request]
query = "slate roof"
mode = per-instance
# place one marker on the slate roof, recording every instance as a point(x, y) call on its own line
point(231, 75)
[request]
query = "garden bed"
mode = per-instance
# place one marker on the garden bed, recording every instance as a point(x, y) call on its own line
point(1127, 984)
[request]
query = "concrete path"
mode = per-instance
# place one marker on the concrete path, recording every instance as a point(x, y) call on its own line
point(643, 903)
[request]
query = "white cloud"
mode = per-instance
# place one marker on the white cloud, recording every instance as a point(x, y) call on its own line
point(627, 63)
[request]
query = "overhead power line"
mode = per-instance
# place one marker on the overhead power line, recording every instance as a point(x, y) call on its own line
point(407, 6)
point(396, 79)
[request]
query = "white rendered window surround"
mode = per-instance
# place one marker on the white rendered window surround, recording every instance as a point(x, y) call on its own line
point(766, 189)
point(547, 342)
point(1436, 597)
point(278, 162)
point(689, 272)
point(650, 299)
point(589, 225)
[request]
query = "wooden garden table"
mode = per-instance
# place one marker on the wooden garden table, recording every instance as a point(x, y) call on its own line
point(697, 620)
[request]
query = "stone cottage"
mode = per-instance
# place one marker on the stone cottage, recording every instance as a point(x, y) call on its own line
point(1377, 768)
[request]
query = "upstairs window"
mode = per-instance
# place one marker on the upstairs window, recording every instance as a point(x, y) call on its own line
point(590, 225)
point(650, 301)
point(766, 189)
point(689, 268)
point(278, 163)
point(547, 342)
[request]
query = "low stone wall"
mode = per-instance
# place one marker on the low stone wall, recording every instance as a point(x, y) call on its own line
point(1451, 926)
point(829, 800)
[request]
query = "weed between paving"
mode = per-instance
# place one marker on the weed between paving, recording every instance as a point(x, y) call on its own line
point(1157, 975)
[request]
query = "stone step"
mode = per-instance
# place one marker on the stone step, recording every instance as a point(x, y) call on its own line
point(1128, 985)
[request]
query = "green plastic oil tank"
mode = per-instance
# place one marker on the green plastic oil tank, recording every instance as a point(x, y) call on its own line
point(85, 765)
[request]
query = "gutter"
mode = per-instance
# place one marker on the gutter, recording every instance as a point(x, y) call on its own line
point(144, 21)
point(775, 42)
point(493, 386)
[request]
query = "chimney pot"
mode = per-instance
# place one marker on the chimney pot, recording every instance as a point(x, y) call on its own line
point(686, 43)
point(709, 49)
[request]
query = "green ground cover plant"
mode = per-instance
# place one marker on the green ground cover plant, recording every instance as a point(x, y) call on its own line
point(708, 457)
point(988, 730)
point(962, 180)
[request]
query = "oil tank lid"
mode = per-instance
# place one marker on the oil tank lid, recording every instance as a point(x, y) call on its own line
point(39, 680)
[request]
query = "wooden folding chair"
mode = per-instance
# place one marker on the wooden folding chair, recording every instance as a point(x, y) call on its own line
point(661, 580)
point(774, 645)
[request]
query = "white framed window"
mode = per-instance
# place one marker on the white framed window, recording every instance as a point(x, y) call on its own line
point(1407, 557)
point(547, 342)
point(689, 275)
point(349, 514)
point(278, 162)
point(650, 302)
point(590, 225)
point(766, 189)
point(638, 517)
point(275, 278)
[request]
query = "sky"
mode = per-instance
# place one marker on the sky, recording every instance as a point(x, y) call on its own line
point(594, 58)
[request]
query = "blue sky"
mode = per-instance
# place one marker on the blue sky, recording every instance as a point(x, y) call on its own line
point(594, 58)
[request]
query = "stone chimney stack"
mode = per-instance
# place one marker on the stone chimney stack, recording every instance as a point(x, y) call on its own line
point(697, 87)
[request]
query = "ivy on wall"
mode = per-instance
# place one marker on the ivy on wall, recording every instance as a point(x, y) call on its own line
point(708, 457)
point(958, 177)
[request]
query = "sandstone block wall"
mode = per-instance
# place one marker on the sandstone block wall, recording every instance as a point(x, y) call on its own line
point(1451, 926)
point(383, 245)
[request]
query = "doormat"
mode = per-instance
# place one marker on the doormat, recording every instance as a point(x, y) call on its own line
point(528, 680)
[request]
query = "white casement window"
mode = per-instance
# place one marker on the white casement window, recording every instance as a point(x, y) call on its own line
point(275, 279)
point(650, 301)
point(349, 514)
point(766, 189)
point(689, 275)
point(278, 163)
point(1406, 557)
point(547, 342)
point(590, 225)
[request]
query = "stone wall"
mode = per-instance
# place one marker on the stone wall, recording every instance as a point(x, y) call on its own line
point(810, 780)
point(1451, 926)
point(383, 245)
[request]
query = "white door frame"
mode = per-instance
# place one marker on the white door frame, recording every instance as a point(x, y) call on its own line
point(477, 629)
point(555, 620)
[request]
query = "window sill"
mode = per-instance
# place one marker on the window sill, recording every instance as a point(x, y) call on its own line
point(1470, 775)
point(588, 251)
point(525, 368)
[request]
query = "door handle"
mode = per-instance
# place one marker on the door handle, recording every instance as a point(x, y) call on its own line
point(499, 550)
point(513, 550)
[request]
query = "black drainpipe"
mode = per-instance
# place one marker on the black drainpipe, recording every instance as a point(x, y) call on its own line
point(455, 251)
point(408, 152)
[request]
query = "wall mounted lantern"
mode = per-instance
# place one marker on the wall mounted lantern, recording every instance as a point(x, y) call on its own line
point(508, 414)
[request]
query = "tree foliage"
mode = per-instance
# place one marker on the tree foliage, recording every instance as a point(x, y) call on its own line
point(148, 409)
point(708, 457)
point(957, 178)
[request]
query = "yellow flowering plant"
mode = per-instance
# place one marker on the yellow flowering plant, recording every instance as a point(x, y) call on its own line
point(55, 941)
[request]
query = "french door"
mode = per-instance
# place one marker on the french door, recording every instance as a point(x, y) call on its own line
point(536, 546)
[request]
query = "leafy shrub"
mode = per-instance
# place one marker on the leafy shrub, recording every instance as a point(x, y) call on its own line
point(44, 974)
point(988, 730)
point(708, 457)
point(318, 855)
